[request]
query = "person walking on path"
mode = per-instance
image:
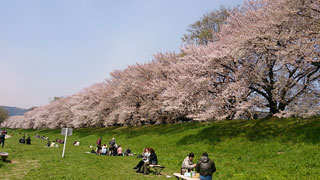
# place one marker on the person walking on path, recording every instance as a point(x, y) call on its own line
point(205, 167)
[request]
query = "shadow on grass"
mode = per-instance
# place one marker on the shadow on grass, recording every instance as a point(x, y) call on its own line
point(286, 130)
point(164, 129)
point(85, 132)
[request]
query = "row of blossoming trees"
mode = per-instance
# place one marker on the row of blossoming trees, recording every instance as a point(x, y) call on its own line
point(266, 56)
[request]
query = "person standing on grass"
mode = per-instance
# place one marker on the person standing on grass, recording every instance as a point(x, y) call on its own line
point(187, 164)
point(205, 167)
point(2, 138)
point(112, 147)
point(99, 144)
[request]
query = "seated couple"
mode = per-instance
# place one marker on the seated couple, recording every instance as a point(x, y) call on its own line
point(53, 144)
point(149, 157)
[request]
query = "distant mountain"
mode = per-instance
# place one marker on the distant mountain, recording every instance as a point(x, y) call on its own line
point(14, 111)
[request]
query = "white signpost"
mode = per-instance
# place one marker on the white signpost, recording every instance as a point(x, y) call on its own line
point(66, 132)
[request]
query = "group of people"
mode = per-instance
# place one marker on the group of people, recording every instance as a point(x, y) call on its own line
point(37, 136)
point(49, 143)
point(25, 140)
point(205, 166)
point(149, 157)
point(114, 149)
point(52, 144)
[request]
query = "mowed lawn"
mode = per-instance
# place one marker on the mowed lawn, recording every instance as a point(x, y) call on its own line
point(244, 149)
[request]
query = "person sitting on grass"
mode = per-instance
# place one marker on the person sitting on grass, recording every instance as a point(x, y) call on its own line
point(104, 150)
point(119, 151)
point(48, 144)
point(153, 159)
point(22, 140)
point(28, 140)
point(187, 164)
point(60, 141)
point(104, 147)
point(53, 144)
point(76, 143)
point(145, 154)
point(128, 152)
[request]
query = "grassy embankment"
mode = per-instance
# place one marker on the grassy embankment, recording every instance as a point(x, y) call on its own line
point(255, 149)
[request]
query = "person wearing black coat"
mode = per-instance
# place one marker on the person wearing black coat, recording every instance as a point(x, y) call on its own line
point(2, 138)
point(205, 167)
point(28, 140)
point(22, 140)
point(153, 159)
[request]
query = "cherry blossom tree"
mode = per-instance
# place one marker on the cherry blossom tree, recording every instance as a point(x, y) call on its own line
point(265, 57)
point(279, 49)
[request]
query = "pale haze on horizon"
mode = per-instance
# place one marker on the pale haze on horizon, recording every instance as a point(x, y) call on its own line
point(58, 48)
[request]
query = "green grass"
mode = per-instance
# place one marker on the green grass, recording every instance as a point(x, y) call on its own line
point(246, 149)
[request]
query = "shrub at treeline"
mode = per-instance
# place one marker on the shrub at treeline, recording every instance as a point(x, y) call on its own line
point(264, 56)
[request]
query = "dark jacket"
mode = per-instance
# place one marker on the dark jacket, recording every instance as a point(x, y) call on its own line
point(2, 137)
point(205, 166)
point(112, 143)
point(153, 158)
point(28, 140)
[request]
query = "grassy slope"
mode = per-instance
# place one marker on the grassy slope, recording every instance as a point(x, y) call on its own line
point(255, 149)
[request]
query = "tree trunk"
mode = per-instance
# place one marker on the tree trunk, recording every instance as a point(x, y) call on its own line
point(273, 108)
point(282, 107)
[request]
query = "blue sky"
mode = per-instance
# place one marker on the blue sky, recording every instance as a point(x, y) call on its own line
point(56, 48)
